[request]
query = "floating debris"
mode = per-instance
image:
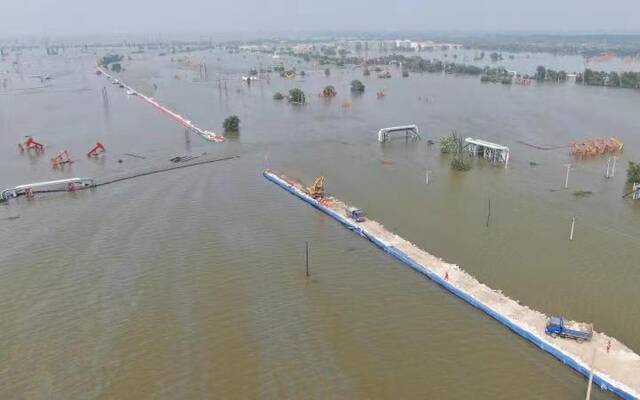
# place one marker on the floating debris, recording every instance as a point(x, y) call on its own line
point(583, 193)
point(541, 146)
point(179, 159)
point(134, 155)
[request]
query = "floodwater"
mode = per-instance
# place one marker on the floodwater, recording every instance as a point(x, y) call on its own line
point(520, 62)
point(191, 284)
point(526, 63)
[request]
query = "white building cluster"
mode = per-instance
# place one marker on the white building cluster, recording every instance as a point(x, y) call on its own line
point(424, 45)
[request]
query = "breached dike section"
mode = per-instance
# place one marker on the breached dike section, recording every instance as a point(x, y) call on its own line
point(616, 370)
point(203, 133)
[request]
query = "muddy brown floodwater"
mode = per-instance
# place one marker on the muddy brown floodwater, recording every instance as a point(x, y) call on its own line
point(191, 284)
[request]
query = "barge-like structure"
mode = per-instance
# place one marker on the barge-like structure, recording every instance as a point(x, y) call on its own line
point(60, 185)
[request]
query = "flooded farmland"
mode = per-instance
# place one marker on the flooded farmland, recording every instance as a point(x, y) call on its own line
point(191, 284)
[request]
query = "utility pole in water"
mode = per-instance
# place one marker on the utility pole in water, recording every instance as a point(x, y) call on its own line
point(611, 167)
point(306, 258)
point(489, 213)
point(566, 180)
point(573, 225)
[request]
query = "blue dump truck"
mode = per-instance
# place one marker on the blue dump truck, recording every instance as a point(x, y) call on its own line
point(557, 326)
point(356, 214)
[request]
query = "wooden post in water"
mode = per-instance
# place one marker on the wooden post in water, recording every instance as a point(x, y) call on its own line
point(566, 180)
point(606, 174)
point(306, 258)
point(489, 213)
point(613, 168)
point(573, 225)
point(428, 173)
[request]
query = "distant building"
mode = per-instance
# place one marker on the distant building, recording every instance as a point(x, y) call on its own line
point(403, 44)
point(419, 46)
point(254, 48)
point(424, 45)
point(302, 49)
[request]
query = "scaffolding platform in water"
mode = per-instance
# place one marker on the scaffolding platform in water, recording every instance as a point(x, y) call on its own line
point(496, 153)
point(408, 131)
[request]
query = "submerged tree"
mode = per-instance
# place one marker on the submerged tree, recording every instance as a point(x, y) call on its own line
point(633, 172)
point(357, 86)
point(495, 56)
point(454, 144)
point(297, 96)
point(448, 144)
point(329, 91)
point(278, 96)
point(541, 73)
point(327, 72)
point(110, 58)
point(460, 161)
point(231, 124)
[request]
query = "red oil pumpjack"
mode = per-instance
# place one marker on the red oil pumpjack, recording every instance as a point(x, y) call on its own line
point(61, 159)
point(29, 144)
point(96, 150)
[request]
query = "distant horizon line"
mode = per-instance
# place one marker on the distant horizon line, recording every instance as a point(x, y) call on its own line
point(277, 34)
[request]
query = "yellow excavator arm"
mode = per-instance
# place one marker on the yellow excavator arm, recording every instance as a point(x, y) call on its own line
point(317, 188)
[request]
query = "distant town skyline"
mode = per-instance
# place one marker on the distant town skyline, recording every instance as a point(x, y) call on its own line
point(65, 17)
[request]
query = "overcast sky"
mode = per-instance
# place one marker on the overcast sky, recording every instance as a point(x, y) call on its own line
point(217, 16)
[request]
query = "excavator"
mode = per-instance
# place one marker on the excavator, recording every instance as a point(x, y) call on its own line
point(96, 150)
point(61, 159)
point(29, 144)
point(316, 190)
